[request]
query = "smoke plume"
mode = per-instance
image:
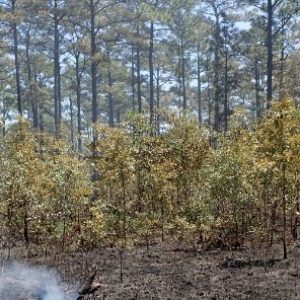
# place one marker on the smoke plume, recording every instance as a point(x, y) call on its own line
point(20, 282)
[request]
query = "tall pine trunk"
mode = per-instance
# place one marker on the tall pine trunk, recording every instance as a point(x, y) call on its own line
point(110, 98)
point(93, 63)
point(138, 71)
point(217, 75)
point(184, 97)
point(199, 95)
point(71, 121)
point(257, 89)
point(132, 77)
point(78, 102)
point(57, 76)
point(226, 104)
point(16, 56)
point(209, 106)
point(157, 100)
point(151, 73)
point(30, 83)
point(270, 53)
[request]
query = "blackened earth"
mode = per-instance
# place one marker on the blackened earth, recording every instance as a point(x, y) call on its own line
point(171, 272)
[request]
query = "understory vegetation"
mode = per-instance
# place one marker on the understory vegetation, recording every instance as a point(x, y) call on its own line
point(137, 187)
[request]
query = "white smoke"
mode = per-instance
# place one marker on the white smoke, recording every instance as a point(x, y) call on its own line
point(18, 282)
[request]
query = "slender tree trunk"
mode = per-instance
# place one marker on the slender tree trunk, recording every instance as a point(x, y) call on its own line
point(284, 182)
point(158, 100)
point(124, 225)
point(118, 117)
point(217, 70)
point(281, 90)
point(57, 79)
point(296, 222)
point(132, 77)
point(257, 89)
point(184, 104)
point(121, 257)
point(30, 83)
point(93, 63)
point(78, 102)
point(26, 229)
point(209, 106)
point(151, 72)
point(41, 121)
point(110, 100)
point(3, 116)
point(217, 96)
point(93, 70)
point(226, 81)
point(270, 53)
point(199, 96)
point(59, 93)
point(16, 56)
point(72, 120)
point(226, 93)
point(282, 62)
point(179, 74)
point(28, 62)
point(138, 71)
point(284, 212)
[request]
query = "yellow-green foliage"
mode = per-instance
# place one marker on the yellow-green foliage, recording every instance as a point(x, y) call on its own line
point(173, 185)
point(44, 188)
point(275, 172)
point(147, 181)
point(229, 194)
point(253, 179)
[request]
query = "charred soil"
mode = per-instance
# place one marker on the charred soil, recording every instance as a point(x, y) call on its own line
point(169, 272)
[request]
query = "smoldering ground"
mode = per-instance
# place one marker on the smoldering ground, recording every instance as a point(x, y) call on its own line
point(24, 282)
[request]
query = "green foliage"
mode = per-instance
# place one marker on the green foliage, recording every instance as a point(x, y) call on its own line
point(276, 169)
point(150, 187)
point(44, 189)
point(229, 193)
point(147, 181)
point(253, 180)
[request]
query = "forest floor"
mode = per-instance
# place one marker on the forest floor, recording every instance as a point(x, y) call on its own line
point(165, 272)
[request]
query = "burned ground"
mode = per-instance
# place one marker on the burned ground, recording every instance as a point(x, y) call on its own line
point(168, 272)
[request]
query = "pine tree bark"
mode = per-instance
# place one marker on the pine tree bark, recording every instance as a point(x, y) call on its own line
point(209, 105)
point(57, 76)
point(132, 77)
point(199, 95)
point(16, 56)
point(151, 72)
point(217, 75)
point(270, 53)
point(78, 102)
point(157, 100)
point(93, 62)
point(30, 82)
point(110, 100)
point(282, 64)
point(257, 89)
point(226, 104)
point(72, 121)
point(182, 52)
point(138, 71)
